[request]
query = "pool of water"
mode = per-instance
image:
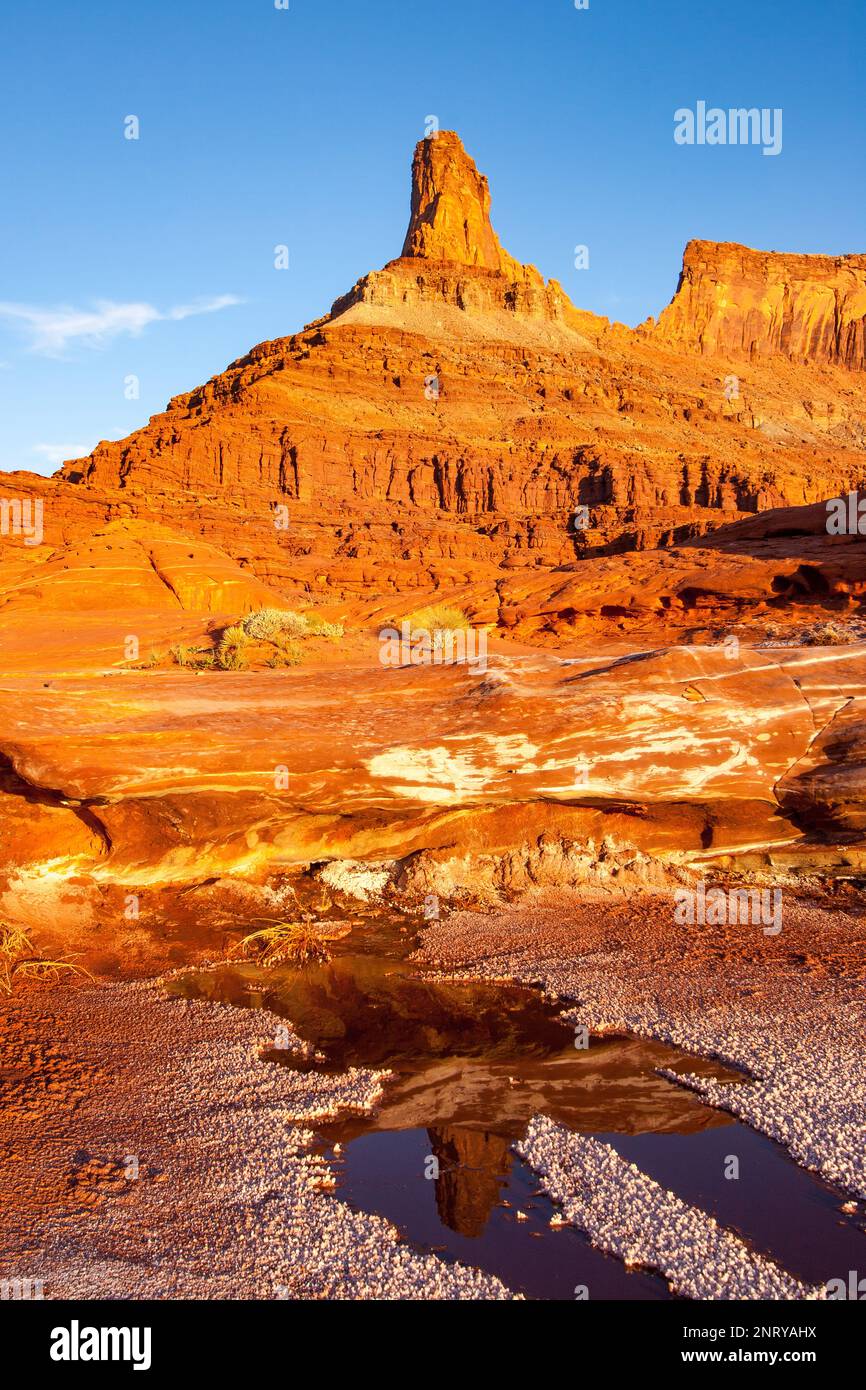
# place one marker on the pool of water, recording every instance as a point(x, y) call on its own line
point(484, 1209)
point(472, 1062)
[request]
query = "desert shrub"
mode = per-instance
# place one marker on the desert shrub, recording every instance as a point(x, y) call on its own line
point(317, 627)
point(182, 655)
point(438, 617)
point(829, 635)
point(268, 622)
point(230, 655)
point(287, 654)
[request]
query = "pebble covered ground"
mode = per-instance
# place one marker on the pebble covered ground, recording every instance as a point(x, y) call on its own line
point(226, 1199)
point(788, 1010)
point(151, 1147)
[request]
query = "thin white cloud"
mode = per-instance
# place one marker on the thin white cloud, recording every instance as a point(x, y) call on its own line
point(203, 306)
point(59, 453)
point(51, 331)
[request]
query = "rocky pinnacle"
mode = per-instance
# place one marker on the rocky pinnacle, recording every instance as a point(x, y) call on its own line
point(450, 218)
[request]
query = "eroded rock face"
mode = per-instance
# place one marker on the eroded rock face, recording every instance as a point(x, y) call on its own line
point(732, 299)
point(759, 577)
point(554, 775)
point(450, 219)
point(827, 789)
point(538, 409)
point(594, 495)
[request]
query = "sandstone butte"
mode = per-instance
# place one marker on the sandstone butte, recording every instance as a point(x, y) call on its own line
point(634, 517)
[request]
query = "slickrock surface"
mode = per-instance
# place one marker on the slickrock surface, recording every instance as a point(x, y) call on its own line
point(678, 754)
point(628, 1214)
point(827, 788)
point(229, 1202)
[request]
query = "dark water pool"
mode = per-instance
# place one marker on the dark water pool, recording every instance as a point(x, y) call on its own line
point(473, 1062)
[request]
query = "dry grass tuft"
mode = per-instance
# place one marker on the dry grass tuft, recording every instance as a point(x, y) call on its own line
point(299, 942)
point(18, 963)
point(438, 617)
point(229, 654)
point(284, 943)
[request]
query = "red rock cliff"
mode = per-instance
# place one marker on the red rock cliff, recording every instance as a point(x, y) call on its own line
point(541, 409)
point(731, 299)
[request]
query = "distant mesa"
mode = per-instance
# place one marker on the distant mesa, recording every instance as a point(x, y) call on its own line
point(745, 396)
point(733, 300)
point(730, 299)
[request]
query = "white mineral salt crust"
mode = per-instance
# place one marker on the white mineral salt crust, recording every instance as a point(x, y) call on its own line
point(241, 1205)
point(633, 1217)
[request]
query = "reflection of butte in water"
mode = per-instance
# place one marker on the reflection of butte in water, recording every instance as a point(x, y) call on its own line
point(473, 1164)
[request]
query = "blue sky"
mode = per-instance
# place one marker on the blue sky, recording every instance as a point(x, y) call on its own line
point(155, 258)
